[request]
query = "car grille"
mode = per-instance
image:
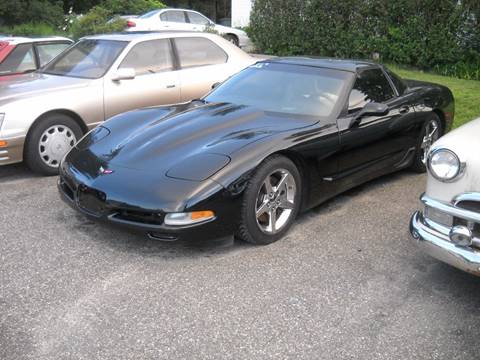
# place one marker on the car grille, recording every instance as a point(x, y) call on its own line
point(92, 201)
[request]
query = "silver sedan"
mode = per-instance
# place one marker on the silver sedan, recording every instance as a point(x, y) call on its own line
point(43, 114)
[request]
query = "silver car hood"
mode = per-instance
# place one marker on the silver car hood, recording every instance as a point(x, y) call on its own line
point(36, 83)
point(463, 142)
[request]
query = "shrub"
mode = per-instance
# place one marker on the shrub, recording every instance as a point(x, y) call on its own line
point(96, 21)
point(14, 12)
point(30, 29)
point(442, 34)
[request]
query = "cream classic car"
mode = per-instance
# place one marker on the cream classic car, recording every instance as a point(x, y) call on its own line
point(44, 113)
point(448, 228)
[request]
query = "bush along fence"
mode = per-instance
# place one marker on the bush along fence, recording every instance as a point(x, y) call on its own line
point(439, 35)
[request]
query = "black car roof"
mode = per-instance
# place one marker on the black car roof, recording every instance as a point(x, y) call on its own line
point(331, 63)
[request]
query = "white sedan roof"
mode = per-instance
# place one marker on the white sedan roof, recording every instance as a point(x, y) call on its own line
point(22, 40)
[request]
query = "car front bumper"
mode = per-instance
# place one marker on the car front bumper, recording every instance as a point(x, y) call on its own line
point(433, 238)
point(150, 223)
point(13, 152)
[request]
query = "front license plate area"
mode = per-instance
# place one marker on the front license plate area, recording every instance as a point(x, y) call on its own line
point(91, 201)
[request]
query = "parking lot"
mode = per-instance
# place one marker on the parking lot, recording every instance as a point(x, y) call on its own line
point(346, 283)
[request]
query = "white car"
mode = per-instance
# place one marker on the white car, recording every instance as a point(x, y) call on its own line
point(186, 20)
point(448, 228)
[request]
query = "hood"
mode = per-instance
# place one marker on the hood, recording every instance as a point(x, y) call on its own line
point(154, 138)
point(37, 83)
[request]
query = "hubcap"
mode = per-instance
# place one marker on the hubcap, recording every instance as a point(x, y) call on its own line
point(54, 143)
point(431, 135)
point(275, 201)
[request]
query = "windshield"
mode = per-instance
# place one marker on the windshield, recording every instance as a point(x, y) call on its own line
point(284, 88)
point(88, 59)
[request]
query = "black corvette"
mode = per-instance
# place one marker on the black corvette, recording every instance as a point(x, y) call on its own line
point(280, 137)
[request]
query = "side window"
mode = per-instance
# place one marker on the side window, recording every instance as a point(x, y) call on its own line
point(47, 52)
point(173, 16)
point(149, 57)
point(20, 60)
point(199, 51)
point(397, 81)
point(197, 19)
point(370, 86)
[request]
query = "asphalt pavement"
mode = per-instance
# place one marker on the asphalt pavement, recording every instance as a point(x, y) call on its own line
point(346, 283)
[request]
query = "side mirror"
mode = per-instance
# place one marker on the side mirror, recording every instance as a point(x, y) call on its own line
point(215, 85)
point(371, 109)
point(124, 74)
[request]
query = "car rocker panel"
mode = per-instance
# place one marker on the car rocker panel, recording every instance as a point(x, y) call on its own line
point(448, 228)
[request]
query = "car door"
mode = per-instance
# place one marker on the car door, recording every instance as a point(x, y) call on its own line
point(156, 81)
point(196, 21)
point(202, 64)
point(173, 20)
point(374, 143)
point(46, 51)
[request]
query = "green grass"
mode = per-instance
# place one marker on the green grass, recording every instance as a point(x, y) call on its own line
point(466, 92)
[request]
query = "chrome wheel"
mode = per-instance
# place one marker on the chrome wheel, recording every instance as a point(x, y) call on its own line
point(54, 143)
point(432, 133)
point(275, 201)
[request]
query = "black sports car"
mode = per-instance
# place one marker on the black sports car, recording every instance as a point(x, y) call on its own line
point(280, 137)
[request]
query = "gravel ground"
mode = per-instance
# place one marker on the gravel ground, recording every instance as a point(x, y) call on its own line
point(346, 283)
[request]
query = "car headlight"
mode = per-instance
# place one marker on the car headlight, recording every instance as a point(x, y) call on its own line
point(190, 218)
point(444, 165)
point(2, 117)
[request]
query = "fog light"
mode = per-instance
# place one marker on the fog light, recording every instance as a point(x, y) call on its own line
point(461, 236)
point(190, 218)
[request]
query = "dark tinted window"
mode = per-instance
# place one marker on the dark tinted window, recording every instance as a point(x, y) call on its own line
point(288, 89)
point(149, 57)
point(397, 81)
point(197, 19)
point(173, 16)
point(20, 60)
point(370, 86)
point(199, 51)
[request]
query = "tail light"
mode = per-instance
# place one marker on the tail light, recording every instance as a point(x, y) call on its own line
point(131, 23)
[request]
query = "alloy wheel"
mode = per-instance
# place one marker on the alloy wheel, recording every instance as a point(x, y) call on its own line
point(54, 143)
point(432, 133)
point(275, 201)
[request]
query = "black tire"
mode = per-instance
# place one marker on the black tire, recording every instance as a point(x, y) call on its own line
point(32, 155)
point(249, 229)
point(233, 39)
point(418, 165)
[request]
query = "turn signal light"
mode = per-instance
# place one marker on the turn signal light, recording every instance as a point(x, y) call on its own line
point(183, 219)
point(3, 143)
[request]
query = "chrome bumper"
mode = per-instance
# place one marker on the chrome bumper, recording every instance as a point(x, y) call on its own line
point(434, 240)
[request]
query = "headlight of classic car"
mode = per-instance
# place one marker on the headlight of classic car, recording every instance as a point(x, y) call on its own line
point(444, 165)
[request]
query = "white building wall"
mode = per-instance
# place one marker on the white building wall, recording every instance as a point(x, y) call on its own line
point(241, 12)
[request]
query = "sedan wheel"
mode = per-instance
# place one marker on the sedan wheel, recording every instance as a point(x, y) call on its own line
point(50, 138)
point(54, 143)
point(271, 201)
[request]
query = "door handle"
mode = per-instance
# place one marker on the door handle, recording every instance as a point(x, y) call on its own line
point(170, 86)
point(404, 109)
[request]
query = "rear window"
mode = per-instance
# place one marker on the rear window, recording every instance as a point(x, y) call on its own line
point(199, 51)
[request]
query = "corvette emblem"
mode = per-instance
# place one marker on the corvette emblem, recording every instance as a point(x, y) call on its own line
point(104, 171)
